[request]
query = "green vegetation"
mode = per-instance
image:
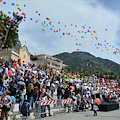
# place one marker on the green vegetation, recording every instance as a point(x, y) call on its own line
point(86, 64)
point(8, 30)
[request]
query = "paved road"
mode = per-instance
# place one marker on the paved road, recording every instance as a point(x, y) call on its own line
point(88, 115)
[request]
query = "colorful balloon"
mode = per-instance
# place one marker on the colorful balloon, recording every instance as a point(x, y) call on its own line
point(17, 4)
point(12, 4)
point(4, 2)
point(9, 72)
point(13, 99)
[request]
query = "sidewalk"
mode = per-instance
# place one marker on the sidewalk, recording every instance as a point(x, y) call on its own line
point(88, 115)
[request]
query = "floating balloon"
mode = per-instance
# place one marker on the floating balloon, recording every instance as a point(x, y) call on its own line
point(4, 2)
point(23, 13)
point(17, 4)
point(68, 33)
point(9, 12)
point(12, 4)
point(6, 15)
point(31, 18)
point(18, 8)
point(20, 21)
point(82, 36)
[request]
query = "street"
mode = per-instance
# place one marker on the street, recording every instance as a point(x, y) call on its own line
point(88, 115)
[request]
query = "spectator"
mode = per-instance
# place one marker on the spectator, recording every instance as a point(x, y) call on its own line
point(30, 93)
point(21, 92)
point(59, 95)
point(6, 101)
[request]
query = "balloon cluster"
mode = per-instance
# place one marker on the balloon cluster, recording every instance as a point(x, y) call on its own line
point(97, 100)
point(80, 31)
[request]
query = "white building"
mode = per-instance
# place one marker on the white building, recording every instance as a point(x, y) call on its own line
point(50, 61)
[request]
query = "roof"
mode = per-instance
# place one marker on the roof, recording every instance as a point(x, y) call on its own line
point(25, 47)
point(48, 56)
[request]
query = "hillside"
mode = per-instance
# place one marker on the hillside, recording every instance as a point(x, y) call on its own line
point(79, 61)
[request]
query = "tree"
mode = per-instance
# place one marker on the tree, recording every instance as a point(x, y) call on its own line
point(33, 57)
point(9, 30)
point(69, 69)
point(81, 74)
point(112, 73)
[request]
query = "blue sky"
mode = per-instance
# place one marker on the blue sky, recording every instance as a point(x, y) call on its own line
point(97, 14)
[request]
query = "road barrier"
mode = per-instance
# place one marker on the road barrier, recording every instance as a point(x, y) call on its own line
point(40, 106)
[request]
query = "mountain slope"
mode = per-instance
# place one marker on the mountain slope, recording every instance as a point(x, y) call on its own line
point(79, 61)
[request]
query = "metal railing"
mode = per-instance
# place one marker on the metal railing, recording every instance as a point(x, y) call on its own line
point(39, 110)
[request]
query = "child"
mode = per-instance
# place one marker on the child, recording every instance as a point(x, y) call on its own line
point(95, 108)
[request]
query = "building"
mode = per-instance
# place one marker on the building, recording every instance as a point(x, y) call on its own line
point(15, 53)
point(50, 61)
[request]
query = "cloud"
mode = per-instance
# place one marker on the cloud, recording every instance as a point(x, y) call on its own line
point(90, 13)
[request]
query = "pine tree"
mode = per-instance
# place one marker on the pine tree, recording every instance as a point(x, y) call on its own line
point(9, 30)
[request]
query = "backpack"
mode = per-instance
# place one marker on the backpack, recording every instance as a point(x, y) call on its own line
point(25, 109)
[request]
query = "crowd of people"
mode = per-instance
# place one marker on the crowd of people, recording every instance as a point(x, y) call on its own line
point(28, 82)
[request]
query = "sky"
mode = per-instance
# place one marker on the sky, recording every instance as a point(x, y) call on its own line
point(96, 14)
